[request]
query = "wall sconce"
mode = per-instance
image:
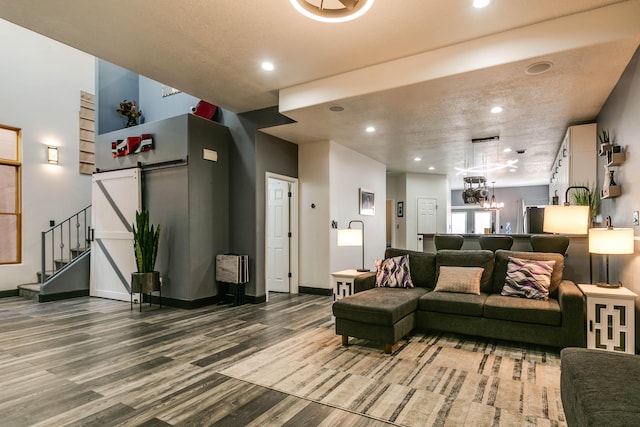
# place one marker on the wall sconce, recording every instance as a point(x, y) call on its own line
point(52, 155)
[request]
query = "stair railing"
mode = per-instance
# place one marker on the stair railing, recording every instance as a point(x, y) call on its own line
point(64, 241)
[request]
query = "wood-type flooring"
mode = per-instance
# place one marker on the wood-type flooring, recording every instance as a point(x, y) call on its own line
point(92, 361)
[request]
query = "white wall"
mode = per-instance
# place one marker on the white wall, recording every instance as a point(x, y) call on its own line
point(313, 174)
point(619, 116)
point(330, 177)
point(350, 171)
point(41, 84)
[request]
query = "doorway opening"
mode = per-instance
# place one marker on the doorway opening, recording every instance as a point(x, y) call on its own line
point(281, 234)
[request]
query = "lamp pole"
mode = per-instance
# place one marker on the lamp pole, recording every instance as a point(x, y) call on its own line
point(362, 270)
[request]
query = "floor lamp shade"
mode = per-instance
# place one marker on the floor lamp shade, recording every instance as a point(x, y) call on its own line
point(350, 237)
point(566, 219)
point(353, 237)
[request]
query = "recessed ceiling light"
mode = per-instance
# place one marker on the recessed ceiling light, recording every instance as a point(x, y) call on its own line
point(370, 129)
point(479, 4)
point(338, 12)
point(539, 68)
point(496, 110)
point(336, 108)
point(507, 150)
point(431, 168)
point(417, 159)
point(268, 66)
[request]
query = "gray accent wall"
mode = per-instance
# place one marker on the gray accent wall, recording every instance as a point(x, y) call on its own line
point(189, 199)
point(249, 160)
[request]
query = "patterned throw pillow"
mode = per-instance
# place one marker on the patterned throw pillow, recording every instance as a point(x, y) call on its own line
point(528, 278)
point(464, 280)
point(394, 272)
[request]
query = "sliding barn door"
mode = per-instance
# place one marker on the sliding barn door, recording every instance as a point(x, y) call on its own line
point(115, 197)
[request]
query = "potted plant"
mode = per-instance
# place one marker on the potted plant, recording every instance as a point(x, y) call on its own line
point(145, 245)
point(129, 110)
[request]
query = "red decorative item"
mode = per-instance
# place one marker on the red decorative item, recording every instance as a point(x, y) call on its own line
point(206, 110)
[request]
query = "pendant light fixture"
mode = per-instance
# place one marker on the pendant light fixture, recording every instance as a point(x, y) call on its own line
point(494, 205)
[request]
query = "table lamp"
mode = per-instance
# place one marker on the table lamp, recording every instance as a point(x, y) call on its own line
point(610, 241)
point(353, 237)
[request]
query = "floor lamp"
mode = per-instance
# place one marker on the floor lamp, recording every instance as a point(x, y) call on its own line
point(353, 237)
point(569, 219)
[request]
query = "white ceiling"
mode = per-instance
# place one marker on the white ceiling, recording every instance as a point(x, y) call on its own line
point(424, 73)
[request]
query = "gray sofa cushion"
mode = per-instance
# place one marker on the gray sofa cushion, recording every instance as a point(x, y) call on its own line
point(523, 310)
point(600, 388)
point(421, 264)
point(379, 306)
point(469, 258)
point(502, 261)
point(453, 303)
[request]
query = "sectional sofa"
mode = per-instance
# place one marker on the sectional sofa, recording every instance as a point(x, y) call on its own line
point(386, 314)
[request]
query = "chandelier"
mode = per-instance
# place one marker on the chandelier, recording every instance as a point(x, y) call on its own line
point(493, 204)
point(332, 10)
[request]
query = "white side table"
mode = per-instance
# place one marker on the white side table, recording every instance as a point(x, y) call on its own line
point(343, 283)
point(610, 318)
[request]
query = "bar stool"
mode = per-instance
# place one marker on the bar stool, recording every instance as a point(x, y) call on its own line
point(493, 243)
point(448, 241)
point(549, 243)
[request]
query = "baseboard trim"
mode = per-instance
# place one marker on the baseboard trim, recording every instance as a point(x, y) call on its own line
point(9, 293)
point(315, 291)
point(63, 295)
point(179, 303)
point(252, 299)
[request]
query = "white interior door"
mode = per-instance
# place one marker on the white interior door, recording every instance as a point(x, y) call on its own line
point(278, 240)
point(426, 217)
point(115, 198)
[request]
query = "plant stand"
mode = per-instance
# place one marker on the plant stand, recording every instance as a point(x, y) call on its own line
point(146, 284)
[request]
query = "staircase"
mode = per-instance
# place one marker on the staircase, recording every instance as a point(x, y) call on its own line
point(66, 258)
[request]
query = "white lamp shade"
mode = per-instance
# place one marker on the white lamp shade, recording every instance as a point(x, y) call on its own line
point(566, 219)
point(350, 237)
point(611, 241)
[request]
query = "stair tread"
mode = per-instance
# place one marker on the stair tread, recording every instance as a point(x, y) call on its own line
point(34, 287)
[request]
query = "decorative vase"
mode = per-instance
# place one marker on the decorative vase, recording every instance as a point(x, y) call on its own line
point(131, 121)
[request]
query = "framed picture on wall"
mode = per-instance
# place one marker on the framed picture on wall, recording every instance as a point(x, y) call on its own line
point(400, 209)
point(367, 202)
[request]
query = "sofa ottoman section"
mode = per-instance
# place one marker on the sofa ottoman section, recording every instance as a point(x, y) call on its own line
point(600, 388)
point(380, 314)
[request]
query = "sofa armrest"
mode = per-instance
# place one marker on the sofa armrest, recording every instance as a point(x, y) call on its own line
point(571, 302)
point(364, 281)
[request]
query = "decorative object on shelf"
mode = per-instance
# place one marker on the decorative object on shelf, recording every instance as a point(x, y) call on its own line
point(475, 190)
point(611, 180)
point(168, 91)
point(400, 210)
point(367, 202)
point(129, 110)
point(132, 145)
point(205, 110)
point(615, 157)
point(146, 238)
point(605, 143)
point(353, 237)
point(610, 241)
